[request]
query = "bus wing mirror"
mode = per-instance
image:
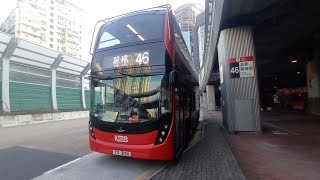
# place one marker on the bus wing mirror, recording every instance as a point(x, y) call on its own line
point(173, 77)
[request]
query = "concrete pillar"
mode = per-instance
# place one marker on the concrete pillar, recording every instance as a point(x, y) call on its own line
point(83, 95)
point(5, 58)
point(204, 100)
point(211, 98)
point(313, 82)
point(201, 101)
point(197, 98)
point(53, 69)
point(239, 81)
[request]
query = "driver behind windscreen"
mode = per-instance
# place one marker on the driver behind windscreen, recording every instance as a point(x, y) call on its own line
point(134, 115)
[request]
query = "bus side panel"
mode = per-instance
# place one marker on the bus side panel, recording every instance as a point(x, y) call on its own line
point(167, 150)
point(164, 151)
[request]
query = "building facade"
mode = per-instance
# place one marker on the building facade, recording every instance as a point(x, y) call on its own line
point(186, 17)
point(55, 24)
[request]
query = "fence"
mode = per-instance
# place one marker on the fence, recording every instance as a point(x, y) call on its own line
point(34, 78)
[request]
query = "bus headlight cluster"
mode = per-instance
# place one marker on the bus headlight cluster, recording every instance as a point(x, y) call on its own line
point(91, 130)
point(163, 133)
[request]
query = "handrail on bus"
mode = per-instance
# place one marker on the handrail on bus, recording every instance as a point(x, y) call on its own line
point(166, 6)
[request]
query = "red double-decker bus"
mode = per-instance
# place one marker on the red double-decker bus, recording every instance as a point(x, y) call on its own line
point(142, 87)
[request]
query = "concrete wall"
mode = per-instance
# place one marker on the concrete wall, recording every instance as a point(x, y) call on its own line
point(14, 120)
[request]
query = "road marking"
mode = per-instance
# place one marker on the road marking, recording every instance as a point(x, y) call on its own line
point(151, 176)
point(59, 167)
point(54, 127)
point(282, 129)
point(148, 174)
point(279, 133)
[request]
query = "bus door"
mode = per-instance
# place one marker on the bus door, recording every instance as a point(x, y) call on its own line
point(189, 117)
point(186, 117)
point(182, 117)
point(178, 119)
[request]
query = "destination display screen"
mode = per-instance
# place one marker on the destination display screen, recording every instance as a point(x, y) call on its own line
point(134, 59)
point(137, 60)
point(127, 63)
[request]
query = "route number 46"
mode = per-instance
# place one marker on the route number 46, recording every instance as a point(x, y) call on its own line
point(234, 70)
point(142, 58)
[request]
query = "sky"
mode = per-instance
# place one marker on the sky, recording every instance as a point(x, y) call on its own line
point(94, 10)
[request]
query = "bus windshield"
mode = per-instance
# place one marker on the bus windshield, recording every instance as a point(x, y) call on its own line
point(136, 28)
point(129, 99)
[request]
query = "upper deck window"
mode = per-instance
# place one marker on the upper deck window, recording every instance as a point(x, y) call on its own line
point(136, 28)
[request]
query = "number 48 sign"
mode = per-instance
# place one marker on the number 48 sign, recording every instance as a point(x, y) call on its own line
point(241, 67)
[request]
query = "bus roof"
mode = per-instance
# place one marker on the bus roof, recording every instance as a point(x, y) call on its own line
point(102, 22)
point(151, 10)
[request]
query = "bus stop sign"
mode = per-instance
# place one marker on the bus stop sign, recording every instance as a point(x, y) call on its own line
point(241, 67)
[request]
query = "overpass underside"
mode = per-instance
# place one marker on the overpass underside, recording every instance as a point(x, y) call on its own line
point(254, 49)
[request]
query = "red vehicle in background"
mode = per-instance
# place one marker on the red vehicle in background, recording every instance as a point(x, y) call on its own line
point(142, 88)
point(293, 98)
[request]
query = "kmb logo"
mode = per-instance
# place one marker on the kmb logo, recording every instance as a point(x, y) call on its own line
point(119, 138)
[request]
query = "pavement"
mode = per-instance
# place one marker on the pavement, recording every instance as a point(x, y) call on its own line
point(211, 158)
point(288, 148)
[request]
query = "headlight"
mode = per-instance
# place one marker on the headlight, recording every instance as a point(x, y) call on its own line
point(91, 130)
point(162, 133)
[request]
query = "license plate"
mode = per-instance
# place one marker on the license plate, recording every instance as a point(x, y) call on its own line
point(121, 153)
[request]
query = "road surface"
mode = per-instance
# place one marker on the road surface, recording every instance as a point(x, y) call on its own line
point(59, 150)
